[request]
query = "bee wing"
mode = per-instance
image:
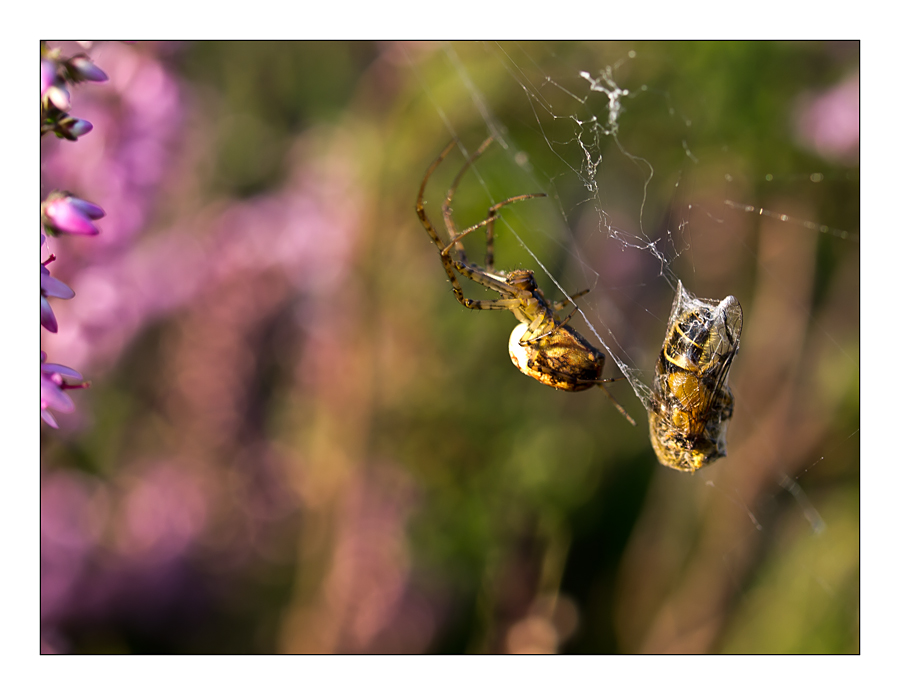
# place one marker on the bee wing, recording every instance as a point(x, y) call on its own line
point(732, 320)
point(725, 324)
point(725, 337)
point(682, 297)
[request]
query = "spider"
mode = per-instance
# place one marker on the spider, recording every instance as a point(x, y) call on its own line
point(541, 346)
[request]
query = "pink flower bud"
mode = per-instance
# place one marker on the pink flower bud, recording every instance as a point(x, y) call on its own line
point(70, 215)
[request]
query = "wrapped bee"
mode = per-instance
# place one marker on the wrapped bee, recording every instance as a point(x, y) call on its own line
point(691, 402)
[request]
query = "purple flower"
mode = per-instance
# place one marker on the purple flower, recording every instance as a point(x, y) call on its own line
point(95, 212)
point(51, 287)
point(81, 68)
point(72, 128)
point(54, 387)
point(80, 127)
point(62, 213)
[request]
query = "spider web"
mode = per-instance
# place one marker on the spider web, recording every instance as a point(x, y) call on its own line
point(645, 202)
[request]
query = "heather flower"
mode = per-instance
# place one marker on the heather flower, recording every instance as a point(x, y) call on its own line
point(54, 387)
point(138, 118)
point(63, 213)
point(51, 287)
point(80, 68)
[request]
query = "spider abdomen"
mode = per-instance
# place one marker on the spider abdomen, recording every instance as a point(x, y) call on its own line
point(562, 359)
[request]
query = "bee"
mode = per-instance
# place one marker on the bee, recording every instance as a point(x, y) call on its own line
point(691, 402)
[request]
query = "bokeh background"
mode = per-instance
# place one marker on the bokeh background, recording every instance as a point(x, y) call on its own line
point(296, 440)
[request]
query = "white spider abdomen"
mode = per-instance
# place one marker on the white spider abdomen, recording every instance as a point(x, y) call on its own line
point(518, 353)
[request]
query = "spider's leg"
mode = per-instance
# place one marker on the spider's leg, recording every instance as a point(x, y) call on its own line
point(420, 204)
point(429, 228)
point(557, 306)
point(489, 222)
point(482, 278)
point(495, 304)
point(551, 327)
point(492, 216)
point(557, 323)
point(448, 211)
point(434, 165)
point(455, 242)
point(489, 245)
point(541, 319)
point(616, 403)
point(510, 299)
point(568, 318)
